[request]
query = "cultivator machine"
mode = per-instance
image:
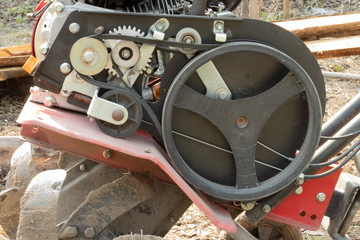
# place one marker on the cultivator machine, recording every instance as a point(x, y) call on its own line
point(164, 103)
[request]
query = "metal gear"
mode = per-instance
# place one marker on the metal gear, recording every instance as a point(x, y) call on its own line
point(128, 31)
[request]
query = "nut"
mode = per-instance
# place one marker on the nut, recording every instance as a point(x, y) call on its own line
point(49, 101)
point(219, 26)
point(247, 205)
point(89, 232)
point(107, 154)
point(266, 208)
point(300, 179)
point(299, 190)
point(44, 49)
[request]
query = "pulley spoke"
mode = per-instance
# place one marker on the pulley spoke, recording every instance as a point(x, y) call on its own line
point(245, 167)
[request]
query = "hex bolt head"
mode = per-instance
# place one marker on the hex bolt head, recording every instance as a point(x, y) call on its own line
point(160, 26)
point(107, 153)
point(74, 28)
point(82, 167)
point(44, 48)
point(59, 7)
point(89, 232)
point(88, 56)
point(299, 190)
point(219, 26)
point(65, 68)
point(222, 95)
point(266, 208)
point(300, 179)
point(49, 101)
point(321, 197)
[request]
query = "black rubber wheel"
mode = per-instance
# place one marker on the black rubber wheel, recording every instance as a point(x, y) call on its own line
point(135, 112)
point(230, 149)
point(269, 229)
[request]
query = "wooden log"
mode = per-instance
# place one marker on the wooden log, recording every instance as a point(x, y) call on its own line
point(12, 72)
point(338, 47)
point(16, 50)
point(245, 8)
point(8, 145)
point(254, 9)
point(320, 27)
point(13, 61)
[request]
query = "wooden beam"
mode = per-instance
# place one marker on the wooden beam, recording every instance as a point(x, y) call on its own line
point(16, 50)
point(13, 61)
point(320, 27)
point(338, 47)
point(12, 72)
point(254, 9)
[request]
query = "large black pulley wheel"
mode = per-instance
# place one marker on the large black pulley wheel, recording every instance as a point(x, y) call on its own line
point(257, 142)
point(135, 112)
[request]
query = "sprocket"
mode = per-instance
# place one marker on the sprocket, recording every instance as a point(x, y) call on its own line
point(128, 31)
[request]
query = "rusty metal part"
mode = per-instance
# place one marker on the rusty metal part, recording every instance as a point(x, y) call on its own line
point(156, 91)
point(38, 206)
point(107, 203)
point(82, 98)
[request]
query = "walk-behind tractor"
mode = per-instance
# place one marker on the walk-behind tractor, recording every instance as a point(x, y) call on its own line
point(159, 104)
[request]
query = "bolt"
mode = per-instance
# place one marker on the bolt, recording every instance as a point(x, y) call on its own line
point(65, 68)
point(172, 219)
point(266, 208)
point(69, 232)
point(88, 56)
point(219, 26)
point(222, 95)
point(241, 121)
point(34, 129)
point(107, 153)
point(188, 39)
point(49, 101)
point(299, 190)
point(74, 28)
point(82, 167)
point(44, 48)
point(300, 179)
point(59, 7)
point(125, 54)
point(321, 197)
point(118, 115)
point(160, 26)
point(89, 232)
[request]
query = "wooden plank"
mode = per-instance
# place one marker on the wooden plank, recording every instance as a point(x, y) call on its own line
point(12, 72)
point(16, 50)
point(338, 47)
point(320, 27)
point(13, 61)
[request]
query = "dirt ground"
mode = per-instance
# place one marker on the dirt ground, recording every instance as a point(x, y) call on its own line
point(16, 29)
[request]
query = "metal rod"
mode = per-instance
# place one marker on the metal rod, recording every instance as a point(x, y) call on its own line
point(274, 151)
point(343, 116)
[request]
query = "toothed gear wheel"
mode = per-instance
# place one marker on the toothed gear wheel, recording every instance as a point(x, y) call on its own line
point(128, 31)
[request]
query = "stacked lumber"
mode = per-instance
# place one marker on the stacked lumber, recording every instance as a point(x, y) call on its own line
point(330, 36)
point(11, 61)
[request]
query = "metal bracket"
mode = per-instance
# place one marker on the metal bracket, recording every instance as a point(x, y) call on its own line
point(74, 83)
point(214, 83)
point(218, 30)
point(105, 110)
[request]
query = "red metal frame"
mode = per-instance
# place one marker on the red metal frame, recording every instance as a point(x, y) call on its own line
point(304, 210)
point(75, 133)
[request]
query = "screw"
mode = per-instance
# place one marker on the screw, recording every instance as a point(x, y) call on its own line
point(89, 232)
point(299, 190)
point(65, 68)
point(82, 167)
point(107, 154)
point(44, 48)
point(300, 179)
point(266, 208)
point(74, 28)
point(321, 197)
point(88, 56)
point(49, 101)
point(219, 26)
point(59, 7)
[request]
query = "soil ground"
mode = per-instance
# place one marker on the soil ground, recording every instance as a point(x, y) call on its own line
point(16, 29)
